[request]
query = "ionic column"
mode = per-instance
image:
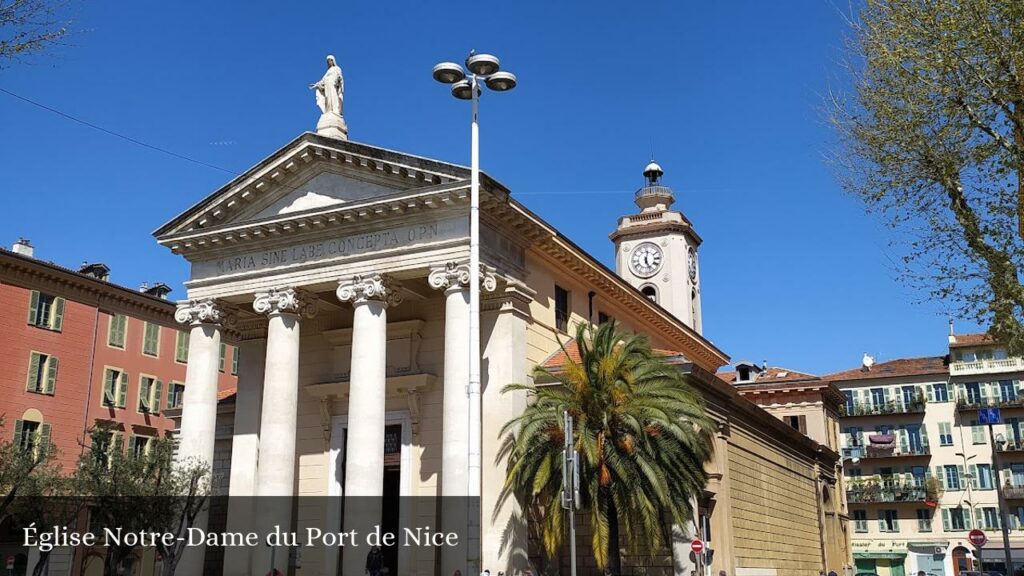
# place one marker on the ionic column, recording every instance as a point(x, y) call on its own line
point(364, 457)
point(275, 474)
point(199, 406)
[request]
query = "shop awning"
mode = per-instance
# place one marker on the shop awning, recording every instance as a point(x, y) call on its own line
point(881, 555)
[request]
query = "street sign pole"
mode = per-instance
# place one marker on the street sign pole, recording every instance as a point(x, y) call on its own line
point(698, 548)
point(570, 487)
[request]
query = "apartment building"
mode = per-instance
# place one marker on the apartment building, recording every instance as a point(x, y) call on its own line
point(919, 468)
point(81, 353)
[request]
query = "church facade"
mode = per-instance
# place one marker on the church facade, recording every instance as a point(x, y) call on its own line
point(340, 270)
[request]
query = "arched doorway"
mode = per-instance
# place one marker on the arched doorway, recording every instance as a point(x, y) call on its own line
point(962, 560)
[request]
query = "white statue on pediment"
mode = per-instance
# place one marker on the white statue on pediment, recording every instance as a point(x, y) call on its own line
point(330, 98)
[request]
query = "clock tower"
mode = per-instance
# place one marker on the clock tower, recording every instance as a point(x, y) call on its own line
point(656, 251)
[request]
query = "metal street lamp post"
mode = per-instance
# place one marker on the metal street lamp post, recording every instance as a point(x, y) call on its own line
point(998, 440)
point(483, 68)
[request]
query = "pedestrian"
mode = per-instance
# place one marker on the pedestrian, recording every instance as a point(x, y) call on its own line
point(374, 561)
point(723, 573)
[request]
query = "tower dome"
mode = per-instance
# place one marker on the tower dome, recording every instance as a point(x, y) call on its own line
point(654, 196)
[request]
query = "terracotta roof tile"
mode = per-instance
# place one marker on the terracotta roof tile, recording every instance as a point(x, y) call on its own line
point(226, 393)
point(770, 376)
point(971, 340)
point(923, 366)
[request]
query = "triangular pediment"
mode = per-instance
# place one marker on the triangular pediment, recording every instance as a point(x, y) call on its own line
point(312, 172)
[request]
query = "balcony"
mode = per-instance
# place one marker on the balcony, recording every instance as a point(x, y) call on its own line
point(1012, 492)
point(960, 368)
point(869, 452)
point(882, 409)
point(966, 405)
point(1012, 446)
point(875, 491)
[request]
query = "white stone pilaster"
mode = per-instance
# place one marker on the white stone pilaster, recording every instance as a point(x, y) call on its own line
point(364, 457)
point(199, 407)
point(275, 474)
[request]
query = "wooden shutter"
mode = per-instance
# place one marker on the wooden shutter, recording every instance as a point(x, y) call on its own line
point(51, 375)
point(57, 314)
point(968, 524)
point(960, 475)
point(33, 308)
point(157, 397)
point(974, 476)
point(132, 441)
point(181, 347)
point(19, 430)
point(901, 433)
point(940, 474)
point(945, 520)
point(108, 388)
point(144, 391)
point(32, 384)
point(881, 521)
point(801, 422)
point(896, 523)
point(122, 389)
point(977, 432)
point(44, 442)
point(931, 392)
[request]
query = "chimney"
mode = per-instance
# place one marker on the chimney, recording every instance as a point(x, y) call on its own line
point(23, 247)
point(158, 289)
point(97, 270)
point(952, 336)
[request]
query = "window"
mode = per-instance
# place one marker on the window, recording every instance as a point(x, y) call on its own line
point(924, 520)
point(988, 517)
point(115, 387)
point(957, 519)
point(32, 437)
point(42, 373)
point(105, 444)
point(945, 434)
point(909, 396)
point(977, 433)
point(138, 446)
point(1017, 474)
point(849, 402)
point(888, 521)
point(117, 330)
point(999, 354)
point(797, 422)
point(175, 395)
point(968, 356)
point(920, 475)
point(952, 477)
point(855, 473)
point(860, 521)
point(984, 477)
point(602, 317)
point(151, 339)
point(878, 396)
point(561, 308)
point(973, 392)
point(45, 311)
point(181, 347)
point(941, 392)
point(855, 436)
point(650, 292)
point(1007, 390)
point(235, 353)
point(223, 355)
point(150, 394)
point(915, 442)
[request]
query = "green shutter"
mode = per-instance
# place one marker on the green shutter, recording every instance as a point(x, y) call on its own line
point(881, 521)
point(960, 476)
point(33, 372)
point(118, 326)
point(122, 389)
point(33, 308)
point(131, 446)
point(931, 392)
point(44, 441)
point(940, 474)
point(977, 432)
point(974, 476)
point(57, 314)
point(968, 524)
point(157, 396)
point(896, 523)
point(234, 363)
point(223, 352)
point(181, 347)
point(19, 430)
point(51, 375)
point(901, 433)
point(144, 390)
point(945, 520)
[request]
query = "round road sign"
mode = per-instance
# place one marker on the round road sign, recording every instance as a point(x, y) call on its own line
point(697, 546)
point(977, 537)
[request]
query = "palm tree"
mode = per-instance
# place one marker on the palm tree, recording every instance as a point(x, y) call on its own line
point(642, 434)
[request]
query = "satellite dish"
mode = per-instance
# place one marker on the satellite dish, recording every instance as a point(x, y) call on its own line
point(868, 361)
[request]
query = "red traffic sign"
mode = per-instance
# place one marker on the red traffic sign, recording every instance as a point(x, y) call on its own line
point(697, 546)
point(977, 537)
point(10, 562)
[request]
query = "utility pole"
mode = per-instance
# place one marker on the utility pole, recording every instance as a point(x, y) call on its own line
point(570, 488)
point(990, 416)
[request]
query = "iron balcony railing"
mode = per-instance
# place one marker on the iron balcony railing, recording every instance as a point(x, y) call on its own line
point(871, 491)
point(965, 404)
point(883, 408)
point(1013, 492)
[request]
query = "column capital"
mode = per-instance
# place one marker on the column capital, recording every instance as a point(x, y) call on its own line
point(455, 275)
point(285, 301)
point(365, 287)
point(205, 311)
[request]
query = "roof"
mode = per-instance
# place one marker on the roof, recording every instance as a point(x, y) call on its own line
point(556, 361)
point(962, 340)
point(770, 375)
point(227, 394)
point(923, 366)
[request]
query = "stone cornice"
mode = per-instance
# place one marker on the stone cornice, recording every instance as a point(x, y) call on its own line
point(565, 254)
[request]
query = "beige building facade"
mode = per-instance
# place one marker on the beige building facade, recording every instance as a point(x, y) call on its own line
point(340, 270)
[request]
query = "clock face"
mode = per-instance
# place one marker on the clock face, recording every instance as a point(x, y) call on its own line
point(692, 257)
point(646, 260)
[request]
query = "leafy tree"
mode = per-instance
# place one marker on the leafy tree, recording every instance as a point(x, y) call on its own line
point(48, 499)
point(143, 490)
point(933, 138)
point(22, 469)
point(642, 434)
point(29, 26)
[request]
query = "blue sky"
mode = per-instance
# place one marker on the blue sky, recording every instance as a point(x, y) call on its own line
point(726, 94)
